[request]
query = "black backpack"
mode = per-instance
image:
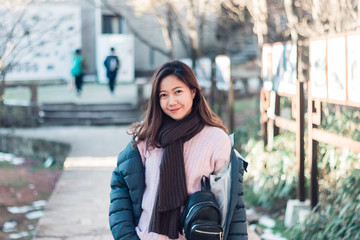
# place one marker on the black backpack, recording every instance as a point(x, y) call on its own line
point(201, 218)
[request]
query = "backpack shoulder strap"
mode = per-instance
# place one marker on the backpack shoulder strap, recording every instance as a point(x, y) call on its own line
point(205, 184)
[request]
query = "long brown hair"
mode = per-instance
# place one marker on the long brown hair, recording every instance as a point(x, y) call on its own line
point(149, 128)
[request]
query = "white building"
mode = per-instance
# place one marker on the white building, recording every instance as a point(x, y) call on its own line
point(43, 39)
point(95, 27)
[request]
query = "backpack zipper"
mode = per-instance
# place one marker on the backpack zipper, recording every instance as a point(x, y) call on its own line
point(213, 233)
point(209, 203)
point(191, 209)
point(197, 204)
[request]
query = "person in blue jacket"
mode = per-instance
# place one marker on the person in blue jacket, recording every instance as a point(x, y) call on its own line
point(77, 70)
point(166, 159)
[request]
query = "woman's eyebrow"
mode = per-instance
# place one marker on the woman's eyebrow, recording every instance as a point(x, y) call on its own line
point(177, 87)
point(171, 89)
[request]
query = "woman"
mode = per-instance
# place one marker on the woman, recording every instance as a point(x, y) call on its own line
point(179, 141)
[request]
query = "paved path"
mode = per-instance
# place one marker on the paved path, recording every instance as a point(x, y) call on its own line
point(78, 207)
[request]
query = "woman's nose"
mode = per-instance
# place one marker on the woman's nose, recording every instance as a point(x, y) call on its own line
point(172, 100)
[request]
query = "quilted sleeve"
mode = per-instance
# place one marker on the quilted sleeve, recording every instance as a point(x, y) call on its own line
point(121, 210)
point(238, 225)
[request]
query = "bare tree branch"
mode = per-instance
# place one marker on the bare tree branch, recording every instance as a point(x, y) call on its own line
point(135, 32)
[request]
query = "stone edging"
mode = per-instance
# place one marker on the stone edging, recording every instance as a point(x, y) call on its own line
point(40, 149)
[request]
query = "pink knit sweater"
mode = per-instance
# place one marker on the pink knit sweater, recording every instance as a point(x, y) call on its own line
point(204, 154)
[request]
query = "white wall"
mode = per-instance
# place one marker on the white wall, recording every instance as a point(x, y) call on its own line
point(52, 60)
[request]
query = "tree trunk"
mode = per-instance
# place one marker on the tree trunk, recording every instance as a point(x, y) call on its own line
point(292, 19)
point(213, 83)
point(166, 29)
point(170, 30)
point(194, 57)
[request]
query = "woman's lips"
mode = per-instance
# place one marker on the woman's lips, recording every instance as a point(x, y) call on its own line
point(174, 110)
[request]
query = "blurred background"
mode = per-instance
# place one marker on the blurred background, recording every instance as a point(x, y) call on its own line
point(282, 74)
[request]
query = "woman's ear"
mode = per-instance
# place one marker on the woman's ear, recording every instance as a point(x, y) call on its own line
point(193, 93)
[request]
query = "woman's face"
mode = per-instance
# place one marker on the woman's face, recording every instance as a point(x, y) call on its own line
point(176, 98)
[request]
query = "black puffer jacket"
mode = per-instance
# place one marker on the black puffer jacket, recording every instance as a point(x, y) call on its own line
point(237, 229)
point(127, 188)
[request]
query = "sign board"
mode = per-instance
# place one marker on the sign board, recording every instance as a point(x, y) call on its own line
point(334, 69)
point(353, 67)
point(279, 67)
point(223, 72)
point(318, 68)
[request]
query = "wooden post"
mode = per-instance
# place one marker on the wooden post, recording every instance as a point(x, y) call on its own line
point(33, 89)
point(140, 93)
point(314, 185)
point(264, 105)
point(140, 84)
point(313, 119)
point(300, 153)
point(264, 131)
point(273, 111)
point(231, 105)
point(277, 113)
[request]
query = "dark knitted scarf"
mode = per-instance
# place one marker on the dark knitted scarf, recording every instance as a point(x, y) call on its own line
point(172, 192)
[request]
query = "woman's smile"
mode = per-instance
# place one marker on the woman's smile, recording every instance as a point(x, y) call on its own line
point(174, 110)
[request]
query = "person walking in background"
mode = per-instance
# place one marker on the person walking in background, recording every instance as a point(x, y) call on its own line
point(180, 140)
point(77, 71)
point(112, 65)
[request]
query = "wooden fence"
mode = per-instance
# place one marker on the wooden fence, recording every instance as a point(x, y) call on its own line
point(326, 66)
point(332, 80)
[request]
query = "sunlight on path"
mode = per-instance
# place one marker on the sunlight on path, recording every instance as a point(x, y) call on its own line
point(92, 162)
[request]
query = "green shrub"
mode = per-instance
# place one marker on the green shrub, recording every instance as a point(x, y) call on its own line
point(338, 211)
point(339, 219)
point(249, 130)
point(272, 174)
point(341, 120)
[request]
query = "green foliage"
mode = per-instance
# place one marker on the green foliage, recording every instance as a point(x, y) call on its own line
point(6, 165)
point(272, 174)
point(249, 130)
point(272, 179)
point(340, 219)
point(54, 167)
point(244, 105)
point(338, 215)
point(335, 165)
point(341, 120)
point(18, 183)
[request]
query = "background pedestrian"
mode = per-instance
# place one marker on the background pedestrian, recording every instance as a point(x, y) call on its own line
point(112, 65)
point(77, 71)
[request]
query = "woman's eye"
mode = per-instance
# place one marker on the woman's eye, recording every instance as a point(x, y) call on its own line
point(162, 95)
point(178, 91)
